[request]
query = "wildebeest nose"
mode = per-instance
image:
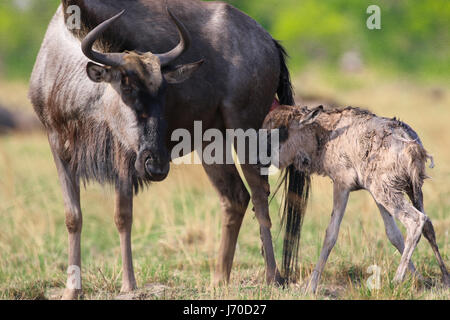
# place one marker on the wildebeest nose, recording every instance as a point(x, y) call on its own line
point(156, 170)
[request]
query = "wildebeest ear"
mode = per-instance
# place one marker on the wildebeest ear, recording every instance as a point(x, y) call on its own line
point(311, 116)
point(181, 73)
point(98, 73)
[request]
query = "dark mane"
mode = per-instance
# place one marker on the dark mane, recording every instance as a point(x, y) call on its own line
point(284, 114)
point(355, 110)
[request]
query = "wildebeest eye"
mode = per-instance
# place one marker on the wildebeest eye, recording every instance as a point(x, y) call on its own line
point(126, 85)
point(126, 90)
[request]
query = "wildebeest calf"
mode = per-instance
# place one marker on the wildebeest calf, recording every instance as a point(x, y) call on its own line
point(359, 150)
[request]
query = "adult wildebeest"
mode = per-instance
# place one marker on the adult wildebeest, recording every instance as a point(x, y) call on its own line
point(112, 121)
point(359, 150)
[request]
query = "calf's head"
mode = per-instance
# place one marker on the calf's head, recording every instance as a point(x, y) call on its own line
point(141, 80)
point(297, 140)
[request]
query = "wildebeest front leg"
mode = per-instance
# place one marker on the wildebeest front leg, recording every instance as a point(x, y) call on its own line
point(70, 187)
point(260, 189)
point(124, 220)
point(340, 199)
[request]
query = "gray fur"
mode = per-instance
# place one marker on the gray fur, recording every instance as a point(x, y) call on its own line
point(359, 150)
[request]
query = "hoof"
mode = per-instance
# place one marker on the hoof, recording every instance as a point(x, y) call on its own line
point(128, 288)
point(446, 281)
point(130, 295)
point(398, 280)
point(219, 281)
point(313, 283)
point(71, 294)
point(311, 288)
point(150, 291)
point(280, 281)
point(275, 278)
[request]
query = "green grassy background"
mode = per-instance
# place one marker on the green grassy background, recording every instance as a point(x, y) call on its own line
point(176, 227)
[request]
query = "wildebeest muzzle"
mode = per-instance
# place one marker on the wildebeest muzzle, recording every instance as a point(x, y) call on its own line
point(153, 164)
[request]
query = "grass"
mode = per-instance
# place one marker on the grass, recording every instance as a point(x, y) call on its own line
point(176, 227)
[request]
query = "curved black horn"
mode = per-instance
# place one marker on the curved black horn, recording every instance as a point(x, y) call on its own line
point(108, 59)
point(183, 46)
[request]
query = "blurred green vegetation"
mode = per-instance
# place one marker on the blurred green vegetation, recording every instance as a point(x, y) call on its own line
point(414, 38)
point(22, 28)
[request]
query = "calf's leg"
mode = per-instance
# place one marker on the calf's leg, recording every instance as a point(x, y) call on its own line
point(340, 199)
point(412, 219)
point(394, 235)
point(428, 232)
point(430, 235)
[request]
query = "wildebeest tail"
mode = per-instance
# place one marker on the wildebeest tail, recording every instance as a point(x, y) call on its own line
point(284, 91)
point(295, 199)
point(296, 184)
point(418, 158)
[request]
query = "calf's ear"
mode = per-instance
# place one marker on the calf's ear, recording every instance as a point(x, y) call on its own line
point(98, 73)
point(181, 73)
point(311, 116)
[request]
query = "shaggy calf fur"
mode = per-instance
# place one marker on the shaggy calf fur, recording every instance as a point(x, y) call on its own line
point(359, 150)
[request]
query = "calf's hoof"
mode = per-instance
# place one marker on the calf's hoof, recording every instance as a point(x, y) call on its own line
point(313, 283)
point(71, 294)
point(398, 279)
point(311, 287)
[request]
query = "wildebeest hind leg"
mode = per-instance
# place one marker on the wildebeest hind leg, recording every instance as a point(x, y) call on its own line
point(245, 115)
point(395, 236)
point(234, 200)
point(430, 235)
point(412, 219)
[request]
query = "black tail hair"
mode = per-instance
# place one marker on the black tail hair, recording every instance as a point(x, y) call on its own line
point(284, 91)
point(296, 191)
point(296, 185)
